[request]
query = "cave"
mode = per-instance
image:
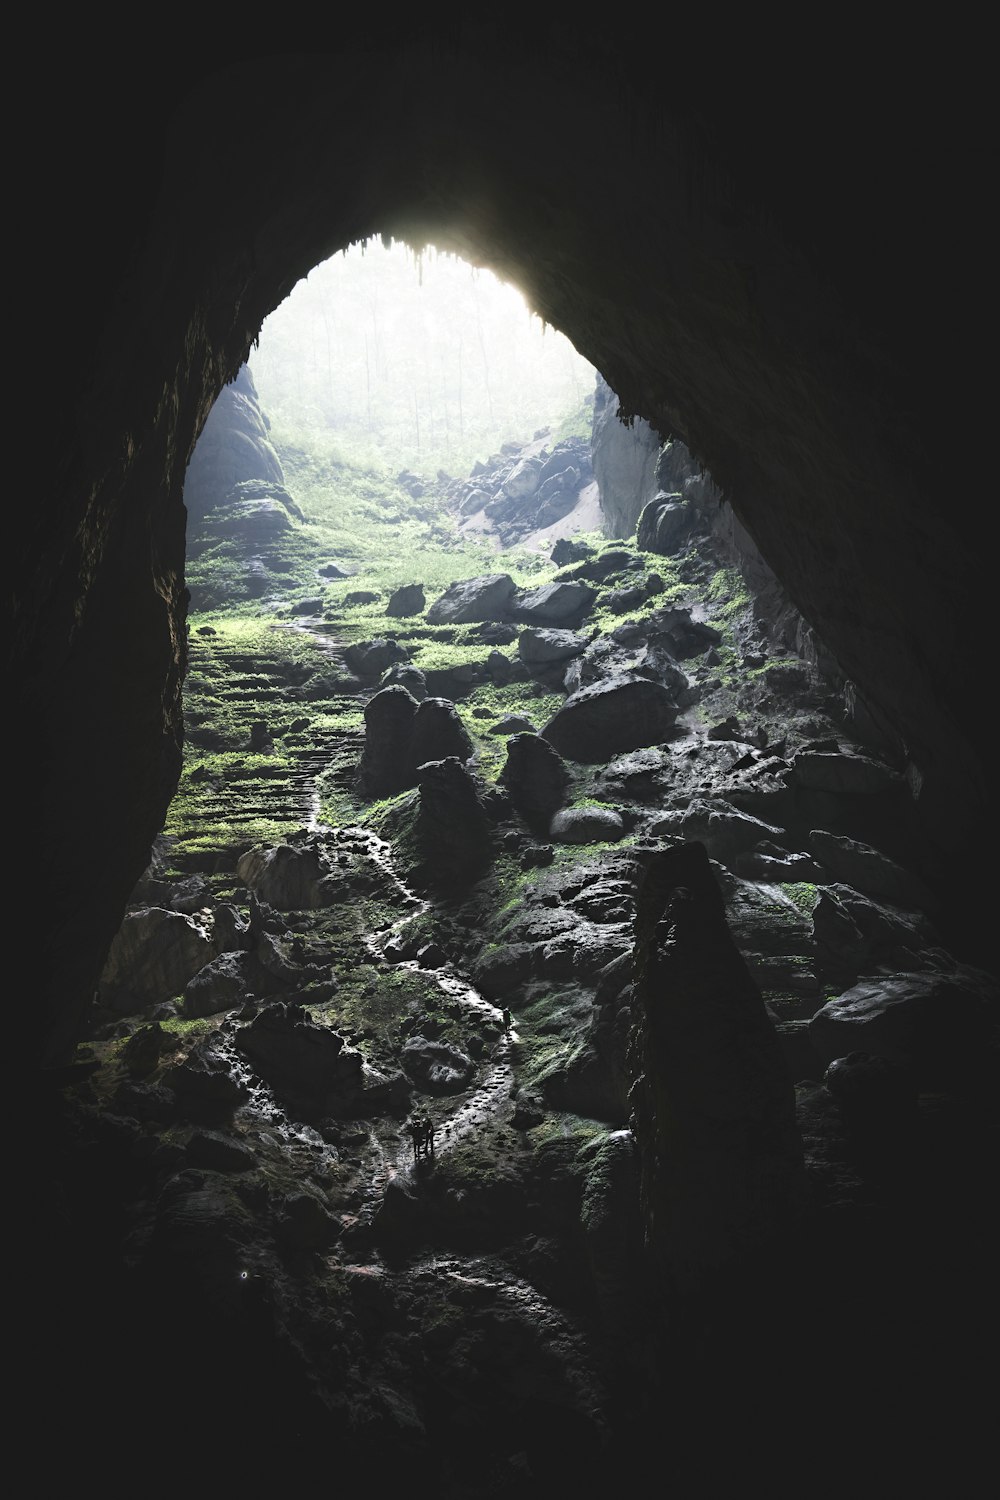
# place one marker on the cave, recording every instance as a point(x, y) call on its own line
point(768, 267)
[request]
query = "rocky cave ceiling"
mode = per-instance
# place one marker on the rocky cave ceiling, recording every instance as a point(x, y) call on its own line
point(756, 263)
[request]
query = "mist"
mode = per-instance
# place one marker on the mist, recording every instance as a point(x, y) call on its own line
point(419, 361)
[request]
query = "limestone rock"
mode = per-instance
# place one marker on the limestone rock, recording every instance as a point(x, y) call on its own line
point(609, 717)
point(485, 598)
point(536, 778)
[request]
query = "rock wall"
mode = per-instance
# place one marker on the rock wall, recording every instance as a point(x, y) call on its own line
point(707, 260)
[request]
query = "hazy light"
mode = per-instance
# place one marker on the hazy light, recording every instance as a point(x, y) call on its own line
point(419, 359)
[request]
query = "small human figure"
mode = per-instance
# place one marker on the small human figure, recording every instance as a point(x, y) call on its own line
point(415, 1130)
point(428, 1136)
point(508, 1019)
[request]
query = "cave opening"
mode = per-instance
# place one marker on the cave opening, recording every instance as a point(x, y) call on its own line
point(441, 1361)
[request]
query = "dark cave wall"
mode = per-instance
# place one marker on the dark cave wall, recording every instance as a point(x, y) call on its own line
point(749, 288)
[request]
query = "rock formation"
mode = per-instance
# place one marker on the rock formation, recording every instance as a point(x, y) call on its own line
point(754, 269)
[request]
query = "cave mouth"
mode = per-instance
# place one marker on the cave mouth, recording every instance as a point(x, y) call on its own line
point(637, 272)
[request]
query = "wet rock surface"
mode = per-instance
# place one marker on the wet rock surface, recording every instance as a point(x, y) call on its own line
point(667, 991)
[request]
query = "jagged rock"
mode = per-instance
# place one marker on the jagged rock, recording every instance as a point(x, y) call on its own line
point(639, 775)
point(540, 647)
point(536, 777)
point(597, 569)
point(845, 774)
point(153, 956)
point(357, 597)
point(567, 550)
point(620, 601)
point(453, 829)
point(485, 598)
point(368, 659)
point(407, 600)
point(724, 830)
point(769, 861)
point(663, 524)
point(586, 825)
point(609, 717)
point(285, 876)
point(304, 1062)
point(437, 1066)
point(942, 1025)
point(228, 981)
point(855, 934)
point(625, 458)
point(870, 871)
point(523, 480)
point(672, 627)
point(437, 733)
point(562, 604)
point(234, 447)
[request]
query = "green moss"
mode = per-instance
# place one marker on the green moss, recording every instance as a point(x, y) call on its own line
point(802, 893)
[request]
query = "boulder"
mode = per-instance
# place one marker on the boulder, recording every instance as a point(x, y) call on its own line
point(285, 876)
point(536, 777)
point(562, 604)
point(663, 523)
point(152, 957)
point(942, 1025)
point(408, 600)
point(586, 825)
point(386, 764)
point(485, 598)
point(369, 659)
point(541, 647)
point(612, 716)
point(869, 871)
point(437, 732)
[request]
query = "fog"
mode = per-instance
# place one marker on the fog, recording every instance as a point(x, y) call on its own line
point(419, 361)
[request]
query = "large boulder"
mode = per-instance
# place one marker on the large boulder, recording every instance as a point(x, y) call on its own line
point(724, 830)
point(385, 766)
point(304, 1062)
point(941, 1025)
point(586, 825)
point(401, 734)
point(563, 604)
point(663, 524)
point(153, 956)
point(859, 864)
point(485, 598)
point(369, 659)
point(438, 732)
point(285, 876)
point(612, 716)
point(538, 647)
point(407, 600)
point(454, 833)
point(536, 778)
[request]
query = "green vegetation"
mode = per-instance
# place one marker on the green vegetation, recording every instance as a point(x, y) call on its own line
point(396, 359)
point(802, 893)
